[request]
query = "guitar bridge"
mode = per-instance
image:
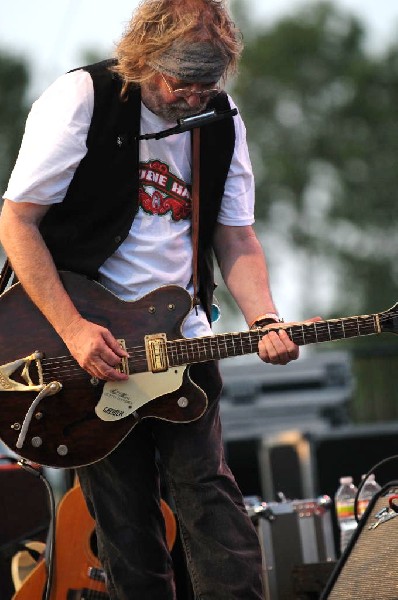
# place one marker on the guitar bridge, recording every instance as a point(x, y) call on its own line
point(123, 367)
point(156, 353)
point(7, 384)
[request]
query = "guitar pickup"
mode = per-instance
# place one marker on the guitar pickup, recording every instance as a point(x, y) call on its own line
point(123, 367)
point(156, 352)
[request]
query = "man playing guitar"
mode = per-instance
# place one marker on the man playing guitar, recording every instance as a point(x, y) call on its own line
point(89, 194)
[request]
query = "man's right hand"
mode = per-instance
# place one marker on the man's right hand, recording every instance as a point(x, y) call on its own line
point(95, 349)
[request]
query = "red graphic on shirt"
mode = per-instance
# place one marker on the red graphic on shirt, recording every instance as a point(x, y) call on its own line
point(161, 192)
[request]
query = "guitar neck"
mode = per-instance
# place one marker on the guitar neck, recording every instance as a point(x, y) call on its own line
point(193, 350)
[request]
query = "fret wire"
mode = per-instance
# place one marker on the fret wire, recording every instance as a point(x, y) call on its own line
point(228, 344)
point(241, 342)
point(317, 327)
point(247, 342)
point(363, 325)
point(211, 350)
point(180, 351)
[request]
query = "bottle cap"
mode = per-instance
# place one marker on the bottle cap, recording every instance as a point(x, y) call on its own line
point(370, 477)
point(346, 480)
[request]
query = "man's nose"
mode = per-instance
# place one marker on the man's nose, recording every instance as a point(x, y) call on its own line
point(194, 100)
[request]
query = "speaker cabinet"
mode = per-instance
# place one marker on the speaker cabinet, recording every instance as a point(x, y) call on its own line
point(367, 569)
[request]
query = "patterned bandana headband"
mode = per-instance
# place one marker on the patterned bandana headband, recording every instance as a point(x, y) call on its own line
point(196, 62)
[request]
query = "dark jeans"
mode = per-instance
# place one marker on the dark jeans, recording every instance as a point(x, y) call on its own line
point(122, 492)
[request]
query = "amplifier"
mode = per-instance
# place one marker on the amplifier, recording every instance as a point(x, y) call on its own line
point(367, 569)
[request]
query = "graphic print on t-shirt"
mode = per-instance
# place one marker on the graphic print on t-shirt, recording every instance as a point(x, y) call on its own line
point(161, 192)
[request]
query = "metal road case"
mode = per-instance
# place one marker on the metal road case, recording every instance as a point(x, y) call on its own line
point(291, 533)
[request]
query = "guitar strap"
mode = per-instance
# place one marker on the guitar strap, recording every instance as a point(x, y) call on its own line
point(5, 275)
point(195, 213)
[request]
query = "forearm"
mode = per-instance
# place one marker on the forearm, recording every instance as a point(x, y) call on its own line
point(93, 346)
point(35, 268)
point(244, 270)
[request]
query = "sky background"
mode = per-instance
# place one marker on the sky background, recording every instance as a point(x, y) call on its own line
point(52, 34)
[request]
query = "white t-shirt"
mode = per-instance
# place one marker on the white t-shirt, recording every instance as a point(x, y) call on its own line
point(158, 248)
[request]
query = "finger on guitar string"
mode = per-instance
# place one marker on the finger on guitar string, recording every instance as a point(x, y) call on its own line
point(114, 345)
point(105, 371)
point(96, 350)
point(277, 348)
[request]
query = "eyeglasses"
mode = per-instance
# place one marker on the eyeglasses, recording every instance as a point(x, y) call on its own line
point(186, 92)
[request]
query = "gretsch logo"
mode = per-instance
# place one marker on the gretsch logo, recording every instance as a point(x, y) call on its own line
point(113, 411)
point(119, 396)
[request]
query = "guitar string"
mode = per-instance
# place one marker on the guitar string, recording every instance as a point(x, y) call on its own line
point(176, 347)
point(319, 327)
point(138, 353)
point(191, 346)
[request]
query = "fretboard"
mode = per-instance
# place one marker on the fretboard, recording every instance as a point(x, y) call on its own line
point(193, 350)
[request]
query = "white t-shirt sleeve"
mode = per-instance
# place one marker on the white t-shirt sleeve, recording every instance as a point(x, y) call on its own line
point(237, 207)
point(54, 141)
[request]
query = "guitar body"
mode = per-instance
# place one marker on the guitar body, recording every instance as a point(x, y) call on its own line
point(67, 419)
point(71, 419)
point(75, 558)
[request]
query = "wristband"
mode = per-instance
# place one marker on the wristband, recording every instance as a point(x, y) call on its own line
point(266, 319)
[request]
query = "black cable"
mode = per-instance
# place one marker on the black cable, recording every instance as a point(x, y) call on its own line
point(50, 546)
point(362, 483)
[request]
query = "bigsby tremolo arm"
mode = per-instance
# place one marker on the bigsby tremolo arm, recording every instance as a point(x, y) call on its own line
point(7, 384)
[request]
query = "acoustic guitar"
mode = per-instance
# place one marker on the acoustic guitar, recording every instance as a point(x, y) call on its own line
point(77, 572)
point(53, 413)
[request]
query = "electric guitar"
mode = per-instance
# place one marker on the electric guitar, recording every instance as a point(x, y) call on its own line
point(77, 574)
point(53, 413)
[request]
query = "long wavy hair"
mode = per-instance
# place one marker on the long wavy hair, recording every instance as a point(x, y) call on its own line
point(156, 24)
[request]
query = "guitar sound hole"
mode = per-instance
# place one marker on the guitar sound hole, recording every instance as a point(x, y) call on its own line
point(94, 544)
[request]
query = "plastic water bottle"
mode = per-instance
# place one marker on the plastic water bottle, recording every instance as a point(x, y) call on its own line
point(368, 490)
point(344, 503)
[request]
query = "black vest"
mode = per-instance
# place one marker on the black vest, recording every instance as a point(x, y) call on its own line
point(102, 199)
